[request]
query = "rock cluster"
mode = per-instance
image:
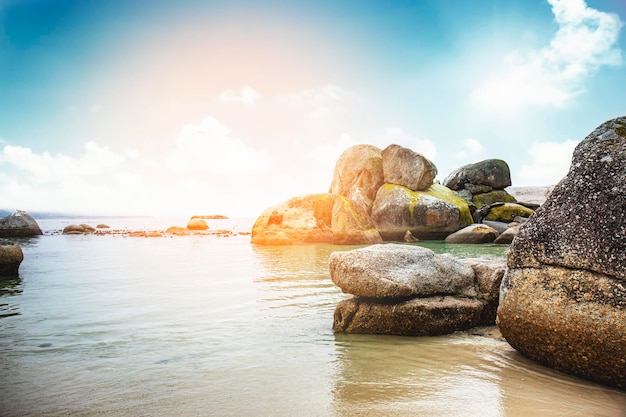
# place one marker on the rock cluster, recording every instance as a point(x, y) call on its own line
point(19, 224)
point(563, 298)
point(410, 290)
point(11, 256)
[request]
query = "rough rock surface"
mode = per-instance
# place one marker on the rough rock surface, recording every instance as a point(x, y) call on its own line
point(495, 196)
point(490, 174)
point(402, 166)
point(415, 317)
point(408, 290)
point(563, 300)
point(474, 233)
point(399, 271)
point(315, 218)
point(431, 214)
point(11, 256)
point(358, 175)
point(19, 224)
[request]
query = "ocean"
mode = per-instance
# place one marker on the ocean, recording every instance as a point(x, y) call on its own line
point(214, 326)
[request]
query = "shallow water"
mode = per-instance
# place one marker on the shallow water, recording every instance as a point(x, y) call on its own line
point(207, 325)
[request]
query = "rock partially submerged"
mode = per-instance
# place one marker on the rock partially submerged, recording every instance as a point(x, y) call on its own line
point(409, 290)
point(19, 224)
point(315, 218)
point(11, 256)
point(563, 300)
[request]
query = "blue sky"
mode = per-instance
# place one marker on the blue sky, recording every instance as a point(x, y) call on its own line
point(154, 107)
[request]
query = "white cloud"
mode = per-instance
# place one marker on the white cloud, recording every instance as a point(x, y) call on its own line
point(208, 147)
point(470, 149)
point(44, 168)
point(245, 95)
point(320, 103)
point(553, 75)
point(400, 137)
point(549, 163)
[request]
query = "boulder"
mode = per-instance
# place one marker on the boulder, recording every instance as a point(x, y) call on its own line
point(358, 175)
point(563, 298)
point(392, 271)
point(507, 212)
point(474, 233)
point(177, 231)
point(197, 224)
point(11, 256)
point(430, 214)
point(495, 196)
point(402, 166)
point(481, 177)
point(409, 290)
point(488, 271)
point(19, 224)
point(507, 236)
point(429, 316)
point(315, 218)
point(78, 229)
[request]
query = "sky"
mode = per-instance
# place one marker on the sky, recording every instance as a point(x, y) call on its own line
point(230, 107)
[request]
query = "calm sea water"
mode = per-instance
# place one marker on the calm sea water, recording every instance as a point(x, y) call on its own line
point(214, 326)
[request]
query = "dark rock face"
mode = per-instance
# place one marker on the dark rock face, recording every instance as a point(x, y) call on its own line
point(409, 290)
point(480, 177)
point(19, 224)
point(402, 166)
point(563, 298)
point(11, 257)
point(358, 175)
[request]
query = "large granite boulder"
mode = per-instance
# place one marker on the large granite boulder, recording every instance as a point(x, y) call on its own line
point(399, 271)
point(196, 223)
point(430, 214)
point(409, 290)
point(402, 166)
point(483, 176)
point(19, 224)
point(11, 256)
point(358, 175)
point(314, 218)
point(563, 298)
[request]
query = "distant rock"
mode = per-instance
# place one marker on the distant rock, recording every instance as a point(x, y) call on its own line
point(315, 218)
point(408, 290)
point(19, 224)
point(11, 256)
point(358, 175)
point(474, 233)
point(508, 235)
point(78, 229)
point(431, 214)
point(480, 177)
point(210, 217)
point(563, 298)
point(177, 231)
point(103, 226)
point(402, 166)
point(531, 195)
point(197, 224)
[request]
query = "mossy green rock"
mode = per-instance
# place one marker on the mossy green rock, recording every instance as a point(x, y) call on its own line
point(429, 214)
point(507, 212)
point(496, 196)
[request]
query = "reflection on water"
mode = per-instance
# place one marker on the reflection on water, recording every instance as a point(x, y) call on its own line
point(219, 327)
